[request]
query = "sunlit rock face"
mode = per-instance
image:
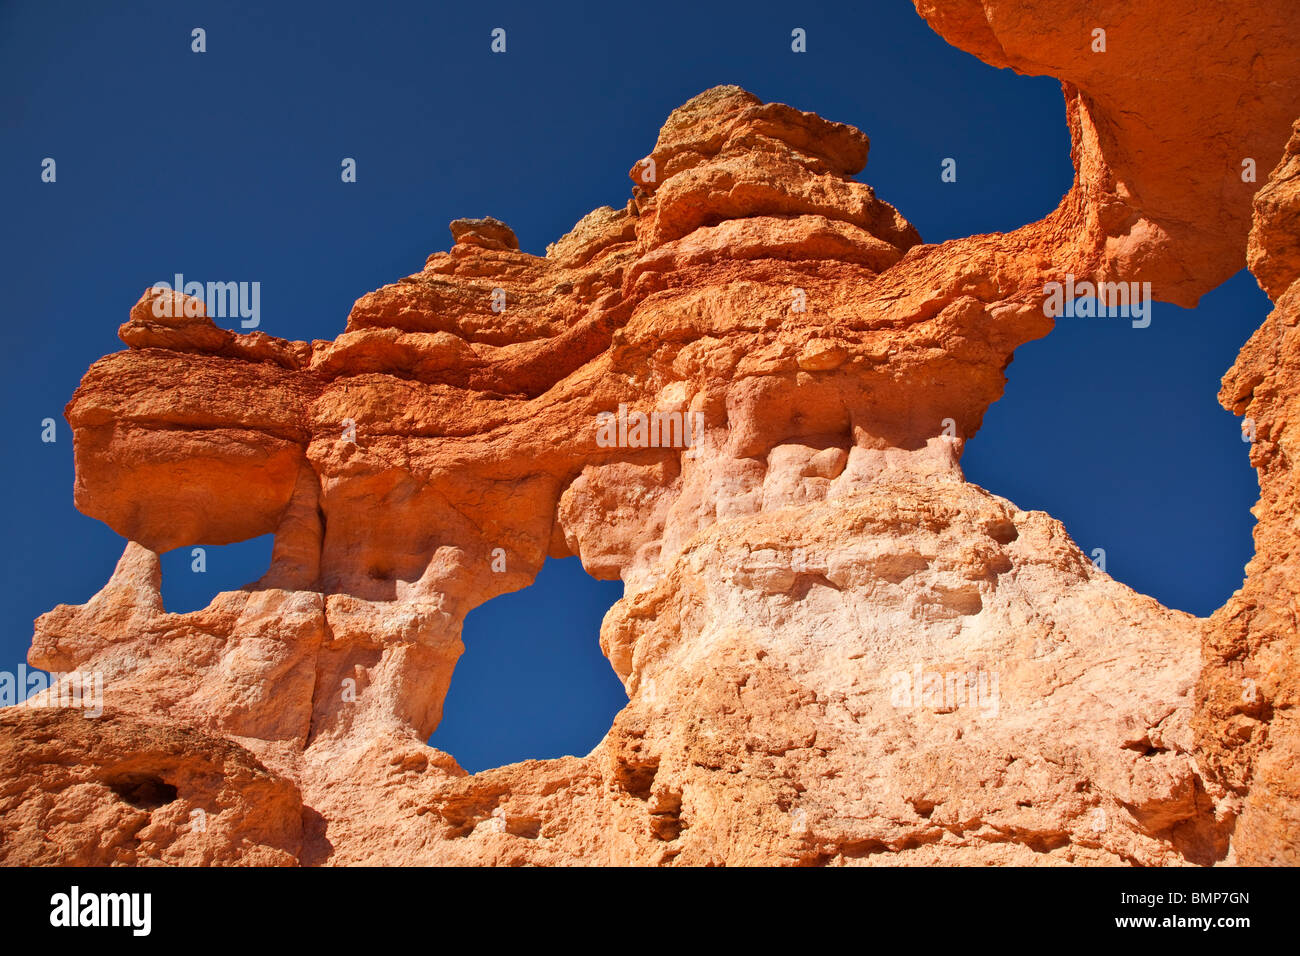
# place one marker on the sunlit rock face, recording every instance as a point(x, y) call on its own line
point(1247, 733)
point(746, 395)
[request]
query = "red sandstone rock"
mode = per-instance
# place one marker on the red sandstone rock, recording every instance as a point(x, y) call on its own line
point(1248, 690)
point(488, 233)
point(794, 581)
point(1161, 121)
point(120, 789)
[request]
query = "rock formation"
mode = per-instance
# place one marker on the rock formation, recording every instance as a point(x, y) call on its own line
point(1246, 729)
point(836, 650)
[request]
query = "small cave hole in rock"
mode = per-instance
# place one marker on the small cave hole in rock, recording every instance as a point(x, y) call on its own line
point(146, 791)
point(193, 576)
point(533, 683)
point(1117, 432)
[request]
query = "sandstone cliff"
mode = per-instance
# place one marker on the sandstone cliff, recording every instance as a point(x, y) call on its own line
point(836, 650)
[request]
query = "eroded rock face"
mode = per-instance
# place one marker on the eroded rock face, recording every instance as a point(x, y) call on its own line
point(836, 649)
point(1248, 693)
point(1165, 108)
point(120, 789)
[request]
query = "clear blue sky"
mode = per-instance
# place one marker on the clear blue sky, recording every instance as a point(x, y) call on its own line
point(226, 164)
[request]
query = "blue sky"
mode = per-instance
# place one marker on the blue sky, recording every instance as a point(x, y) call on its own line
point(226, 165)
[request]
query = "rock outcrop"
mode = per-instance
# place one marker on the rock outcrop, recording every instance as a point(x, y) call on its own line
point(118, 789)
point(746, 395)
point(1247, 729)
